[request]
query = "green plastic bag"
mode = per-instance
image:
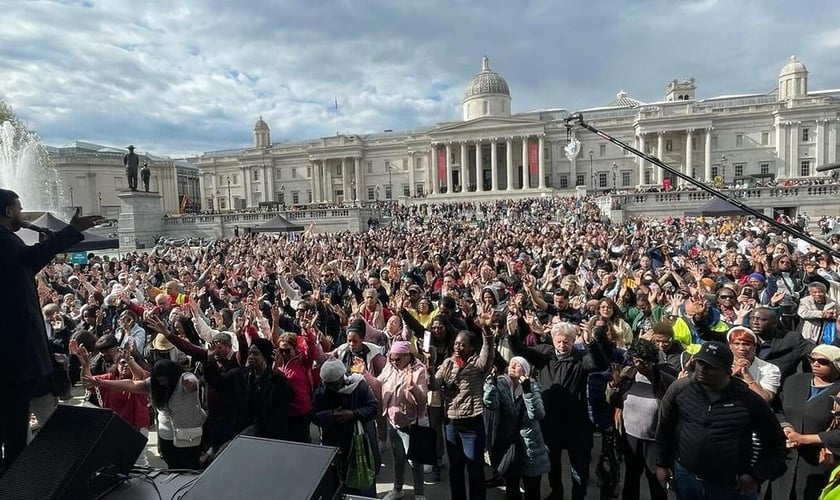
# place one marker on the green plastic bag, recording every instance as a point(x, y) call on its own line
point(360, 467)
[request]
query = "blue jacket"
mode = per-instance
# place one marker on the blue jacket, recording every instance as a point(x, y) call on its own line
point(498, 398)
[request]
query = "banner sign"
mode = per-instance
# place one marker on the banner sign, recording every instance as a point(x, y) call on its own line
point(533, 158)
point(441, 163)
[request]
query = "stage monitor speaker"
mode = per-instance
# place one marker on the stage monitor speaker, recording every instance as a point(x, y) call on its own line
point(257, 468)
point(77, 454)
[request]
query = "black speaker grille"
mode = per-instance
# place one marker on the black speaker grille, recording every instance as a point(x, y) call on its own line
point(59, 457)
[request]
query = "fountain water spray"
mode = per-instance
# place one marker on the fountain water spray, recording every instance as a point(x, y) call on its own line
point(25, 168)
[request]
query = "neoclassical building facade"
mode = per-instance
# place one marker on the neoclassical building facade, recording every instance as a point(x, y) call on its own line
point(492, 152)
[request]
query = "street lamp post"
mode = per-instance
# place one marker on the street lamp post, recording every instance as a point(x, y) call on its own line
point(99, 195)
point(723, 168)
point(72, 204)
point(230, 197)
point(353, 190)
point(615, 173)
point(376, 193)
point(283, 195)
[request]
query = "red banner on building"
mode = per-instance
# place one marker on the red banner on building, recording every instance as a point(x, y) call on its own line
point(533, 158)
point(441, 163)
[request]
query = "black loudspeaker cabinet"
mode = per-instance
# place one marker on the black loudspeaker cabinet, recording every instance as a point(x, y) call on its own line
point(258, 468)
point(77, 454)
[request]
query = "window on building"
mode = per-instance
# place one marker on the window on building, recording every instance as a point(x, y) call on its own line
point(602, 150)
point(295, 197)
point(418, 163)
point(281, 197)
point(236, 178)
point(579, 180)
point(388, 192)
point(308, 172)
point(626, 178)
point(739, 169)
point(223, 203)
point(309, 197)
point(564, 181)
point(739, 140)
point(388, 166)
point(406, 190)
point(765, 138)
point(805, 168)
point(714, 142)
point(806, 135)
point(221, 180)
point(370, 167)
point(547, 153)
point(256, 175)
point(669, 145)
point(405, 165)
point(419, 189)
point(256, 198)
point(602, 179)
point(548, 181)
point(764, 168)
point(648, 177)
point(294, 173)
point(715, 170)
point(338, 170)
point(370, 193)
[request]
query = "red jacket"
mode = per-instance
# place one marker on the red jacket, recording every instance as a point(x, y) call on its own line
point(299, 371)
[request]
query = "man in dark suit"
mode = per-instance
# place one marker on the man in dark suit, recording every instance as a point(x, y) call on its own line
point(25, 357)
point(785, 349)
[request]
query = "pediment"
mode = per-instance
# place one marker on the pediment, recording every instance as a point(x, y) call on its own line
point(502, 125)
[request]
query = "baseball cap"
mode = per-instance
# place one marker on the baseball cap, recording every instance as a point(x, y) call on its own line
point(715, 354)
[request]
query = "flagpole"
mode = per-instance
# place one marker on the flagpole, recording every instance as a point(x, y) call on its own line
point(335, 116)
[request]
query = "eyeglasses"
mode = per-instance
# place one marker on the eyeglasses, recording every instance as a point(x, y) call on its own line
point(819, 361)
point(727, 297)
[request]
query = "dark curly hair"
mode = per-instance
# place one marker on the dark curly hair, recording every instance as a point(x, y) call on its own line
point(643, 349)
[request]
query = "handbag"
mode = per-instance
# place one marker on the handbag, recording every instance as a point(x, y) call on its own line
point(187, 437)
point(826, 458)
point(829, 332)
point(360, 468)
point(422, 444)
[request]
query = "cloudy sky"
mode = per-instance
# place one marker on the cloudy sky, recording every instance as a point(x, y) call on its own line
point(181, 78)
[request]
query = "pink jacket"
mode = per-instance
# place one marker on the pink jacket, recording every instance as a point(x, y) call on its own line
point(402, 406)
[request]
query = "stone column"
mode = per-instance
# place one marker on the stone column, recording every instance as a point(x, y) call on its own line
point(246, 183)
point(448, 168)
point(781, 150)
point(572, 166)
point(494, 175)
point(479, 178)
point(327, 183)
point(707, 172)
point(660, 148)
point(832, 140)
point(313, 179)
point(819, 141)
point(433, 177)
point(509, 164)
point(688, 152)
point(642, 166)
point(526, 173)
point(541, 162)
point(793, 170)
point(465, 167)
point(345, 183)
point(411, 173)
point(357, 169)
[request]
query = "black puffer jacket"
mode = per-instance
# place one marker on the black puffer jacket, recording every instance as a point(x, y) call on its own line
point(714, 440)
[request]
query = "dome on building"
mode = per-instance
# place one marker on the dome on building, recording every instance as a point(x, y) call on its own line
point(792, 67)
point(261, 125)
point(622, 101)
point(486, 83)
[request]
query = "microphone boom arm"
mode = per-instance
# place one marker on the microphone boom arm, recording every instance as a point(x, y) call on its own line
point(577, 119)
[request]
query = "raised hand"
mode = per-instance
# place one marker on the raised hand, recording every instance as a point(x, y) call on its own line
point(80, 223)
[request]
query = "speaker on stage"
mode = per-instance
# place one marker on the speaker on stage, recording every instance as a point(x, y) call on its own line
point(78, 454)
point(258, 468)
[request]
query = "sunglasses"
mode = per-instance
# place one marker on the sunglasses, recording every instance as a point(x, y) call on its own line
point(819, 361)
point(727, 297)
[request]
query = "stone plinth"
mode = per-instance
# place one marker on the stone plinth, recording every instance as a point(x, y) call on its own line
point(141, 219)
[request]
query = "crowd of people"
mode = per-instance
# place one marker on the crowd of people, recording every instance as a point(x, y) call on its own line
point(702, 353)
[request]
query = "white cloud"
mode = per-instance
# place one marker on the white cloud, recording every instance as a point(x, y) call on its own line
point(189, 77)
